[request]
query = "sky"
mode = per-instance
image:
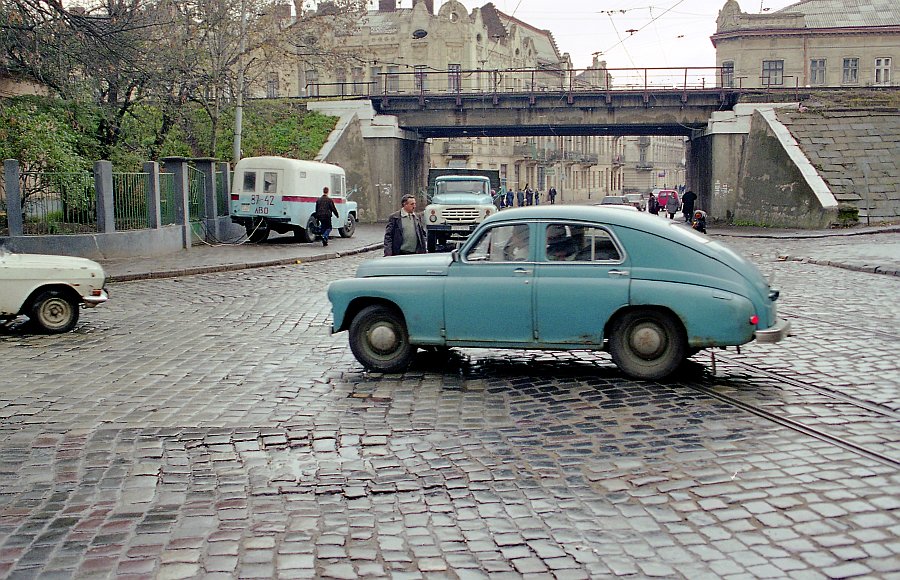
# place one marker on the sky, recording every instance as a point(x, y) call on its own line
point(669, 33)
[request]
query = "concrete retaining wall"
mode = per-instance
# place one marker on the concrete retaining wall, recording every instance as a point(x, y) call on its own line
point(105, 246)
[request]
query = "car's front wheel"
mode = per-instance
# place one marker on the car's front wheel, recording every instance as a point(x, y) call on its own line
point(54, 311)
point(648, 344)
point(379, 340)
point(308, 234)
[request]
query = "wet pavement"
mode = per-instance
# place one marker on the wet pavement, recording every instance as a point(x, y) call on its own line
point(867, 249)
point(210, 425)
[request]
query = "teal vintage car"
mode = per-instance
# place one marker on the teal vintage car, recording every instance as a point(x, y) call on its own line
point(650, 291)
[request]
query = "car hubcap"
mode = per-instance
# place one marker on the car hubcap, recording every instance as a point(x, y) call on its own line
point(55, 312)
point(647, 341)
point(383, 338)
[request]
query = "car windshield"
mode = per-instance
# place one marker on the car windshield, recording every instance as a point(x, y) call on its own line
point(478, 187)
point(612, 199)
point(634, 197)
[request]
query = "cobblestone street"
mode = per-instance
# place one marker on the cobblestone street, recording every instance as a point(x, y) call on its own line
point(211, 425)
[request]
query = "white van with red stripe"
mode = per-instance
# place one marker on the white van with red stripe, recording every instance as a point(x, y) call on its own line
point(279, 194)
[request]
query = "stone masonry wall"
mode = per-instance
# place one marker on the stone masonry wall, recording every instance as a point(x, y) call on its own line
point(856, 152)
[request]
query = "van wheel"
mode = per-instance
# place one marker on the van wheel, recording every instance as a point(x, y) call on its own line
point(54, 312)
point(308, 234)
point(379, 339)
point(648, 344)
point(348, 230)
point(257, 231)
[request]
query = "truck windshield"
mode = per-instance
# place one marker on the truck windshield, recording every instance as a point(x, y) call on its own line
point(477, 187)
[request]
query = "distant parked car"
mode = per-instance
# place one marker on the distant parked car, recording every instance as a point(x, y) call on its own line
point(569, 277)
point(49, 290)
point(614, 200)
point(637, 200)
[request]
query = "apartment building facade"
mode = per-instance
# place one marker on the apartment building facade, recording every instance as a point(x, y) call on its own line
point(423, 49)
point(813, 43)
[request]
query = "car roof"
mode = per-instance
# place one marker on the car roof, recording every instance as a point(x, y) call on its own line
point(598, 213)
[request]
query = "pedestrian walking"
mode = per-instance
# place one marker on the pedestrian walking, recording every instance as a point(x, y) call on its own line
point(552, 195)
point(687, 205)
point(529, 196)
point(537, 197)
point(509, 198)
point(324, 210)
point(404, 233)
point(653, 205)
point(672, 206)
point(520, 195)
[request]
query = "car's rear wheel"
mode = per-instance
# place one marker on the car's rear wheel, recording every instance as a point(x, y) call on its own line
point(379, 340)
point(349, 227)
point(648, 344)
point(54, 311)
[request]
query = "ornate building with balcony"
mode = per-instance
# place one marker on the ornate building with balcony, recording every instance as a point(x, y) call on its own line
point(420, 49)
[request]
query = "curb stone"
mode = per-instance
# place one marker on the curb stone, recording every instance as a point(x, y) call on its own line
point(239, 266)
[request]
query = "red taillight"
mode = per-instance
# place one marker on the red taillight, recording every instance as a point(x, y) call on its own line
point(754, 319)
point(96, 292)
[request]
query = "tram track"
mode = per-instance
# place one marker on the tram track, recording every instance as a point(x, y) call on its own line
point(790, 314)
point(798, 426)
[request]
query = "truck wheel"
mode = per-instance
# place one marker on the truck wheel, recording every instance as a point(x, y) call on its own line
point(54, 312)
point(308, 234)
point(379, 340)
point(349, 228)
point(257, 231)
point(648, 344)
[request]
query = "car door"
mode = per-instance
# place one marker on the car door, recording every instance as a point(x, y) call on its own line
point(581, 278)
point(488, 292)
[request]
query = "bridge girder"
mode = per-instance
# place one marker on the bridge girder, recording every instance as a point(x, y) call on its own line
point(555, 113)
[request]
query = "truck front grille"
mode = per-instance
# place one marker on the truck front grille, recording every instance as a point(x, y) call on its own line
point(460, 215)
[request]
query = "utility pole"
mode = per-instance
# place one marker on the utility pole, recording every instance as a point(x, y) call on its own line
point(239, 102)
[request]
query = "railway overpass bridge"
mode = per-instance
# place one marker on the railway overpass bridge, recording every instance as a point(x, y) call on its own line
point(420, 110)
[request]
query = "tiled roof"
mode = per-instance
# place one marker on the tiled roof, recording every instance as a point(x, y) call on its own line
point(844, 13)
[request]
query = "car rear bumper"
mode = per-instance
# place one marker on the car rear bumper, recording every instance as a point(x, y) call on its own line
point(778, 331)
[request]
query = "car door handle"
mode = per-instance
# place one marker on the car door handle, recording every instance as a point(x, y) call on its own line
point(619, 273)
point(521, 272)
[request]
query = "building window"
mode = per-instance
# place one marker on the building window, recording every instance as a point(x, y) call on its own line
point(393, 79)
point(817, 71)
point(728, 74)
point(420, 77)
point(358, 81)
point(453, 77)
point(851, 71)
point(772, 73)
point(272, 85)
point(883, 71)
point(312, 82)
point(377, 79)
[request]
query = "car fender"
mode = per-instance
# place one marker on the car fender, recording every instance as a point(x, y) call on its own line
point(711, 316)
point(418, 298)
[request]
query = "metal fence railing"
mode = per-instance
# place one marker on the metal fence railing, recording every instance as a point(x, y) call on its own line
point(130, 200)
point(196, 197)
point(58, 203)
point(4, 224)
point(167, 199)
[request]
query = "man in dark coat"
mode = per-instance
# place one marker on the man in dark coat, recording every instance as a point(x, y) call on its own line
point(687, 205)
point(404, 233)
point(324, 210)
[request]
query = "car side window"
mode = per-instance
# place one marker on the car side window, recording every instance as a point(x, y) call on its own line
point(501, 244)
point(577, 243)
